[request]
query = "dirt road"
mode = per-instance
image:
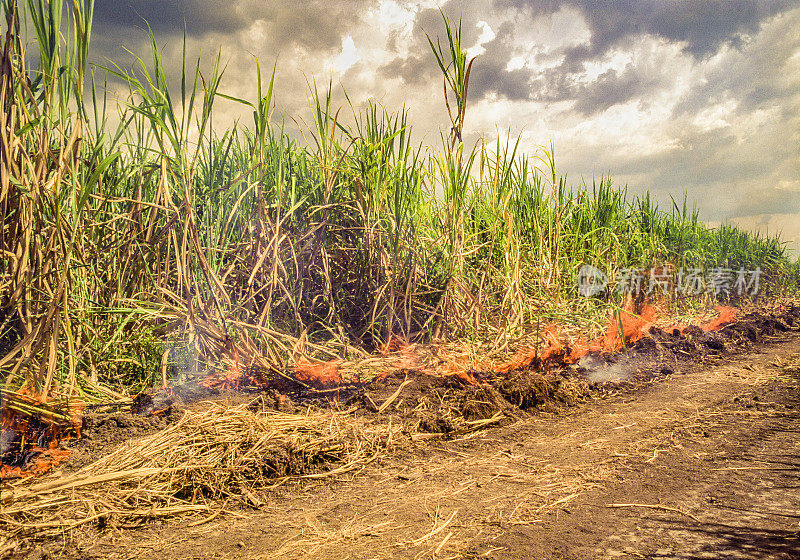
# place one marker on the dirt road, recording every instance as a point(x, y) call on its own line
point(704, 464)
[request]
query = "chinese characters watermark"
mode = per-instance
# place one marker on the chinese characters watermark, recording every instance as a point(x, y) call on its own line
point(661, 280)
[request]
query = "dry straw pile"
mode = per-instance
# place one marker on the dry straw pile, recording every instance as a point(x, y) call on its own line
point(222, 452)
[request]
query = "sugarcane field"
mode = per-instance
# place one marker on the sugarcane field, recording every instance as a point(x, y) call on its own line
point(354, 280)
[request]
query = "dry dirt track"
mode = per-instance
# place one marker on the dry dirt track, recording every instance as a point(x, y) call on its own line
point(714, 454)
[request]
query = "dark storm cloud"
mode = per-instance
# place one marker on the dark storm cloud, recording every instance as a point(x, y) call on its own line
point(168, 16)
point(413, 70)
point(702, 25)
point(612, 88)
point(420, 65)
point(635, 81)
point(702, 28)
point(754, 80)
point(707, 25)
point(314, 25)
point(489, 73)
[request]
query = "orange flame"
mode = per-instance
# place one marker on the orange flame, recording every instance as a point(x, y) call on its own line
point(39, 428)
point(455, 370)
point(231, 378)
point(554, 351)
point(727, 315)
point(321, 375)
point(407, 356)
point(634, 327)
point(42, 463)
point(627, 326)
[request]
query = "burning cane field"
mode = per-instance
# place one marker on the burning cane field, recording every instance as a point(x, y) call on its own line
point(319, 336)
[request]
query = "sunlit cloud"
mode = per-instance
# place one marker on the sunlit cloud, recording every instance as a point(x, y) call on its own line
point(348, 56)
point(486, 35)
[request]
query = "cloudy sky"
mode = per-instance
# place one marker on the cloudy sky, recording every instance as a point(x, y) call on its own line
point(667, 95)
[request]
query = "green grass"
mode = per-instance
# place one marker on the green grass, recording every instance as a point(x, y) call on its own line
point(144, 244)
